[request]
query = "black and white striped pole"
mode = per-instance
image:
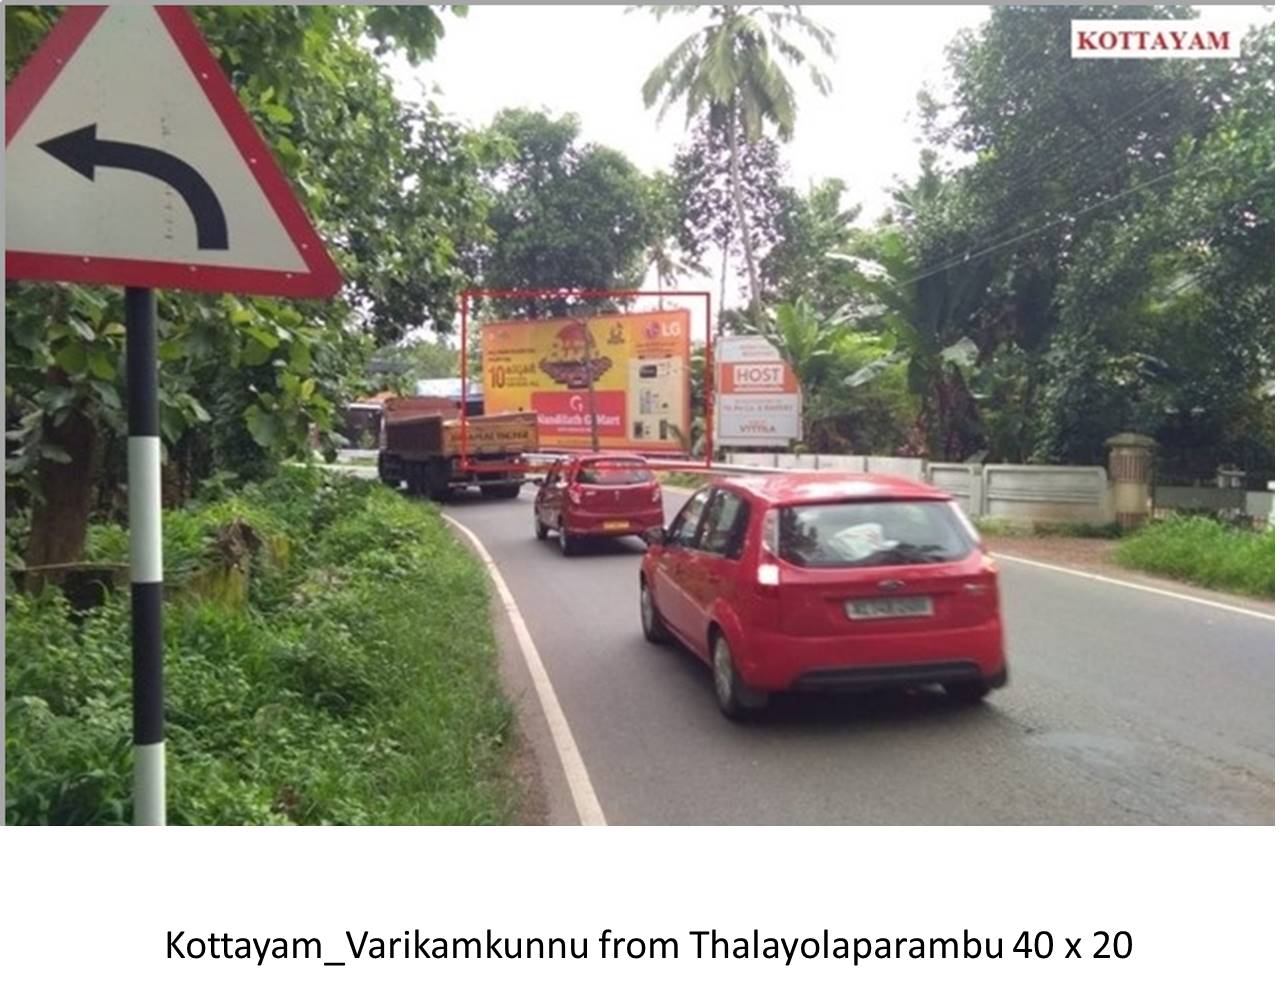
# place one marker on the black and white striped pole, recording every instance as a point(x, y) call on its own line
point(145, 554)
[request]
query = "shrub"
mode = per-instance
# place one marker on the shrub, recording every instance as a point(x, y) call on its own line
point(354, 684)
point(1204, 551)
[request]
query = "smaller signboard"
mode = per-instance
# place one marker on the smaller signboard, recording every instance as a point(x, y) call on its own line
point(757, 395)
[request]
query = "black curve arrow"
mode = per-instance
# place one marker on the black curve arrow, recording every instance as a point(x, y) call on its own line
point(82, 151)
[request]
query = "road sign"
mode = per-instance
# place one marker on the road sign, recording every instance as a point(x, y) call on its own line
point(131, 161)
point(758, 395)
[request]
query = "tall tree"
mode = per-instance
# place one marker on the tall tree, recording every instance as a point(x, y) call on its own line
point(664, 253)
point(566, 215)
point(728, 70)
point(703, 181)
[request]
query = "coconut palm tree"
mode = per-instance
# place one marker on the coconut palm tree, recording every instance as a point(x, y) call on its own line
point(728, 70)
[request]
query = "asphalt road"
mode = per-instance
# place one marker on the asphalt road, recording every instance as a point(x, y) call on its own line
point(1124, 707)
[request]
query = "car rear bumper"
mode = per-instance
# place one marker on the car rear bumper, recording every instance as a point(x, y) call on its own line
point(790, 662)
point(620, 523)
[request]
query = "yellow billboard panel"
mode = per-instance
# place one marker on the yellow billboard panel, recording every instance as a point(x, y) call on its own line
point(638, 364)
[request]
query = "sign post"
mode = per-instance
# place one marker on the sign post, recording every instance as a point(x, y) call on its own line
point(130, 161)
point(145, 567)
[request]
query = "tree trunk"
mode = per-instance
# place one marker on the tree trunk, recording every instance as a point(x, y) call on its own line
point(723, 285)
point(739, 201)
point(60, 512)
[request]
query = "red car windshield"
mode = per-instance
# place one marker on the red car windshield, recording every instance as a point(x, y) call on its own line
point(871, 533)
point(602, 472)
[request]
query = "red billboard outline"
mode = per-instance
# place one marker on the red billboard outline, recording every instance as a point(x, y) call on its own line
point(468, 466)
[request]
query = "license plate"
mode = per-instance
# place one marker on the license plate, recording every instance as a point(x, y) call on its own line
point(615, 526)
point(889, 607)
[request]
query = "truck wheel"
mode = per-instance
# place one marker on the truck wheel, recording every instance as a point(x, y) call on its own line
point(507, 492)
point(438, 480)
point(390, 473)
point(415, 479)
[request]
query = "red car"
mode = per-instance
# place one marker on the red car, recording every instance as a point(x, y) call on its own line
point(590, 495)
point(825, 581)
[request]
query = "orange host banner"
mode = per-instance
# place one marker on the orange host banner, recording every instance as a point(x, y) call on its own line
point(639, 367)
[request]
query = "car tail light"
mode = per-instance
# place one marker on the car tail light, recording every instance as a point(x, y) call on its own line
point(656, 493)
point(768, 573)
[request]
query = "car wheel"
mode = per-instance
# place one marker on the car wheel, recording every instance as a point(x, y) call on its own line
point(654, 629)
point(967, 691)
point(567, 543)
point(735, 699)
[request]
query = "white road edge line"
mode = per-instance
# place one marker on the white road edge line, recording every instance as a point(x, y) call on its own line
point(684, 491)
point(1136, 586)
point(586, 801)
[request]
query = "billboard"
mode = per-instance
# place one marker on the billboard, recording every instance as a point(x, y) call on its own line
point(758, 395)
point(638, 364)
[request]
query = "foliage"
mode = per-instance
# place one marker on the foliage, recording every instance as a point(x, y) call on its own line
point(1121, 243)
point(355, 684)
point(394, 190)
point(566, 214)
point(815, 231)
point(727, 72)
point(420, 358)
point(664, 225)
point(1203, 551)
point(704, 190)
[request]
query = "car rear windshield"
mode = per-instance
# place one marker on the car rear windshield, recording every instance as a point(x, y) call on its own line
point(871, 533)
point(614, 473)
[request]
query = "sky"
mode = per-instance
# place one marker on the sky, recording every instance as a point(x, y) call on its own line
point(592, 61)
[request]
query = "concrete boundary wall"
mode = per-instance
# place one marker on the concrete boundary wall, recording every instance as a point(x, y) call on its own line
point(1078, 494)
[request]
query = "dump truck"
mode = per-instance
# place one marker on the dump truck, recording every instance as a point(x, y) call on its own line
point(422, 443)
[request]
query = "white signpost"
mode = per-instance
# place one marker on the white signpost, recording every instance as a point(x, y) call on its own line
point(757, 400)
point(131, 161)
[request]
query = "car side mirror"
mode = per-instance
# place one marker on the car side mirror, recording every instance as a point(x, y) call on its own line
point(654, 535)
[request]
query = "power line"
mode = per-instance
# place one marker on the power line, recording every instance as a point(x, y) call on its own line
point(972, 251)
point(1067, 219)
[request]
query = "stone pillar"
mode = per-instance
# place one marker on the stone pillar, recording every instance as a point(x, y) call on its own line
point(1129, 467)
point(1230, 478)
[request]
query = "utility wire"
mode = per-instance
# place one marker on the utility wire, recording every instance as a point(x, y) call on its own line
point(1065, 219)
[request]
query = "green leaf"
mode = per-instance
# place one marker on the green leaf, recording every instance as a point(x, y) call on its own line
point(71, 358)
point(102, 364)
point(262, 335)
point(81, 328)
point(262, 426)
point(107, 393)
point(253, 353)
point(300, 356)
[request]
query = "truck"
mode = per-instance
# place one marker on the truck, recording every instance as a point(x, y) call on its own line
point(422, 444)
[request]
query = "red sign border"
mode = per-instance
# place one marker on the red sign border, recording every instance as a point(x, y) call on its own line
point(322, 278)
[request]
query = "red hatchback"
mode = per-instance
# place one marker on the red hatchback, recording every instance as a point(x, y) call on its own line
point(825, 581)
point(589, 495)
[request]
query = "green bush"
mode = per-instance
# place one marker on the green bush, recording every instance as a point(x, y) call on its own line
point(1205, 552)
point(1022, 528)
point(355, 684)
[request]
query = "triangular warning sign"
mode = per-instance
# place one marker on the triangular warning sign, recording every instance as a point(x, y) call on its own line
point(129, 160)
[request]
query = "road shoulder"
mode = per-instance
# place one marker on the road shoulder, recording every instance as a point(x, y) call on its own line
point(547, 797)
point(1094, 556)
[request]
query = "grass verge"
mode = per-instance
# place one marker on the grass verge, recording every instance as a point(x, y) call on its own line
point(1205, 552)
point(328, 660)
point(1016, 528)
